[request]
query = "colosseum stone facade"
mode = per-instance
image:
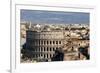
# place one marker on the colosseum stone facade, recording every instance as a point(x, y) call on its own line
point(44, 43)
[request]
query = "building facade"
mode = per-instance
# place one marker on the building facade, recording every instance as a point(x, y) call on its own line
point(44, 43)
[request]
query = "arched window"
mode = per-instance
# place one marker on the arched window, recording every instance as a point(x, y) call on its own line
point(40, 55)
point(56, 42)
point(50, 49)
point(41, 42)
point(53, 42)
point(50, 42)
point(72, 48)
point(56, 48)
point(59, 42)
point(53, 49)
point(44, 49)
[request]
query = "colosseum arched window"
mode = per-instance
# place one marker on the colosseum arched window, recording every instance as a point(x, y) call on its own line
point(41, 42)
point(56, 48)
point(50, 48)
point(41, 55)
point(53, 49)
point(47, 42)
point(44, 49)
point(59, 42)
point(50, 42)
point(56, 42)
point(53, 42)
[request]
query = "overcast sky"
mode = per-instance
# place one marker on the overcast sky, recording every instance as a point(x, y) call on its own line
point(51, 17)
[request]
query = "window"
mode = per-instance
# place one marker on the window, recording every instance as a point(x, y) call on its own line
point(56, 42)
point(53, 49)
point(41, 42)
point(50, 56)
point(40, 55)
point(53, 42)
point(59, 42)
point(44, 48)
point(50, 49)
point(56, 48)
point(50, 42)
point(72, 48)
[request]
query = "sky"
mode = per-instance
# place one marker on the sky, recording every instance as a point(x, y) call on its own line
point(54, 17)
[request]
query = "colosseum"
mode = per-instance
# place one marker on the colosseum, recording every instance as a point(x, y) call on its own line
point(44, 44)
